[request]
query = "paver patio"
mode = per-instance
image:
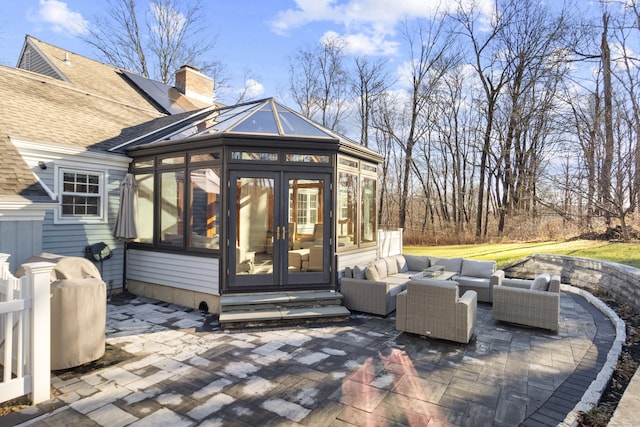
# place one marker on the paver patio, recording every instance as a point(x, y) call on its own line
point(176, 367)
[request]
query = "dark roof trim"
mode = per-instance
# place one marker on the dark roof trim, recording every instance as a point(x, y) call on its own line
point(169, 129)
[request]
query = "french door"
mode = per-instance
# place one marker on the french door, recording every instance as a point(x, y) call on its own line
point(279, 230)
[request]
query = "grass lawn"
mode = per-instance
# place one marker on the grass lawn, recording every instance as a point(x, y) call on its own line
point(505, 253)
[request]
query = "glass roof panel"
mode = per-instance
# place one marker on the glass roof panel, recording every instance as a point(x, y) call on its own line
point(266, 117)
point(295, 125)
point(259, 122)
point(218, 121)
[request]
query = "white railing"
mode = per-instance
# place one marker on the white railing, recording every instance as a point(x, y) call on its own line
point(389, 242)
point(25, 335)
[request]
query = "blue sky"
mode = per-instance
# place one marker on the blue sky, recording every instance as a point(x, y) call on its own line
point(254, 38)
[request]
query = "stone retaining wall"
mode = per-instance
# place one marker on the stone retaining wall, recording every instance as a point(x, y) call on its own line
point(620, 281)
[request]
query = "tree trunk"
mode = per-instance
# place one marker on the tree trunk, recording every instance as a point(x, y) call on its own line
point(605, 177)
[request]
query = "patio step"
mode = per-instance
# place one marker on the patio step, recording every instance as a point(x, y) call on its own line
point(262, 309)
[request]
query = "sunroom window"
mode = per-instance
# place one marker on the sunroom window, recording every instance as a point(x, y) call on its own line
point(356, 210)
point(205, 206)
point(172, 208)
point(184, 213)
point(347, 209)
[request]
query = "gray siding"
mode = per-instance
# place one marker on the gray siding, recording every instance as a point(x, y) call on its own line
point(71, 239)
point(179, 271)
point(20, 239)
point(31, 60)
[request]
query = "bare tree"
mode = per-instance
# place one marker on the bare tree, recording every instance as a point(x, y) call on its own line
point(607, 163)
point(304, 81)
point(319, 82)
point(493, 75)
point(156, 42)
point(532, 43)
point(608, 122)
point(370, 82)
point(430, 58)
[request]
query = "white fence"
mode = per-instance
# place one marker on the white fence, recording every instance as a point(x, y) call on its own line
point(25, 335)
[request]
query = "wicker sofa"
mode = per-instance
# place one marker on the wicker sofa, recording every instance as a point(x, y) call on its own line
point(529, 302)
point(434, 308)
point(373, 288)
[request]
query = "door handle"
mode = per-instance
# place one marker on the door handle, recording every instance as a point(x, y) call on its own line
point(281, 233)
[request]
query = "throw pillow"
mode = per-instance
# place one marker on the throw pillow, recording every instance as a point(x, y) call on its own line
point(348, 272)
point(371, 273)
point(358, 272)
point(417, 262)
point(392, 265)
point(381, 267)
point(402, 264)
point(541, 282)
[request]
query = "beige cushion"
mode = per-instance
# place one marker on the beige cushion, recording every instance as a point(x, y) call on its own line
point(348, 272)
point(381, 266)
point(417, 262)
point(392, 265)
point(541, 282)
point(371, 273)
point(475, 268)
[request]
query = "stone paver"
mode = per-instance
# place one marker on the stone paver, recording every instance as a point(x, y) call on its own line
point(178, 368)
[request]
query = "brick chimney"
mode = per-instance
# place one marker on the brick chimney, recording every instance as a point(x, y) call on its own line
point(193, 84)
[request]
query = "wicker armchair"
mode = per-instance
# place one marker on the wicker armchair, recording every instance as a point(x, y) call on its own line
point(433, 308)
point(526, 303)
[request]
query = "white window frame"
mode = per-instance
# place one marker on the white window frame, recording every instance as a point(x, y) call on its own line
point(101, 218)
point(310, 210)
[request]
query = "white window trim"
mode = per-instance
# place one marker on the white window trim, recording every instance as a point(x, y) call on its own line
point(58, 218)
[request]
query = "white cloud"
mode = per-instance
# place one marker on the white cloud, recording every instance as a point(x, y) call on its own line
point(253, 88)
point(354, 14)
point(371, 44)
point(307, 11)
point(369, 25)
point(62, 20)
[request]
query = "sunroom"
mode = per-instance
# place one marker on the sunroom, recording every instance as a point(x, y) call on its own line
point(250, 198)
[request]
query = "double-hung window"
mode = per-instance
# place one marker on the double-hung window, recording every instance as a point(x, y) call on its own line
point(81, 195)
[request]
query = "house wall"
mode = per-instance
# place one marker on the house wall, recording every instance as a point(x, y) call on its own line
point(180, 279)
point(70, 239)
point(20, 238)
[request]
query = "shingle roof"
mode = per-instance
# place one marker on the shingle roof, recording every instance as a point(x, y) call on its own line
point(16, 180)
point(95, 107)
point(42, 109)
